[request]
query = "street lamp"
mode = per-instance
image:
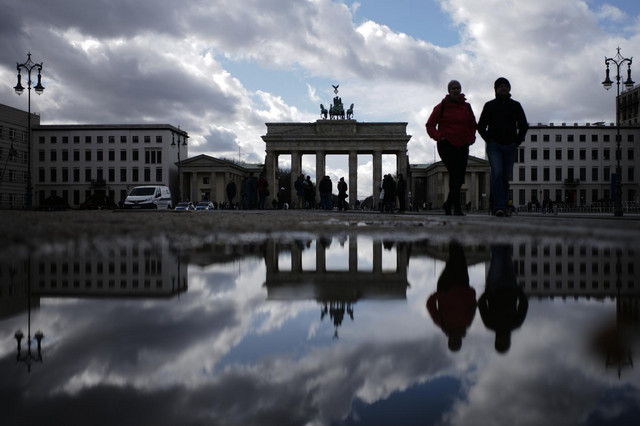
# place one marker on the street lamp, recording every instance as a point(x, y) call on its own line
point(184, 143)
point(28, 358)
point(618, 61)
point(29, 65)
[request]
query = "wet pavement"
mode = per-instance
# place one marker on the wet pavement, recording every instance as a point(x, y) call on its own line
point(289, 318)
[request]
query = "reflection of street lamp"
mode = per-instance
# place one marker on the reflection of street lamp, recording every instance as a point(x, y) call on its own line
point(39, 88)
point(184, 143)
point(618, 60)
point(28, 358)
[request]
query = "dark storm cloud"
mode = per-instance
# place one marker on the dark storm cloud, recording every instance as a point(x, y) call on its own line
point(219, 140)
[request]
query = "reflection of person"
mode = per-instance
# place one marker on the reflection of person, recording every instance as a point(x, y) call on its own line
point(503, 126)
point(231, 192)
point(453, 306)
point(503, 306)
point(453, 126)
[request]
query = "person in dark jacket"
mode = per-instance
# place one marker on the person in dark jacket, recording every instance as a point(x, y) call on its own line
point(401, 192)
point(503, 126)
point(231, 192)
point(452, 125)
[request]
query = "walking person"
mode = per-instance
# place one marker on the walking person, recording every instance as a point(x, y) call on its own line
point(231, 192)
point(401, 190)
point(503, 126)
point(310, 194)
point(263, 191)
point(452, 125)
point(342, 194)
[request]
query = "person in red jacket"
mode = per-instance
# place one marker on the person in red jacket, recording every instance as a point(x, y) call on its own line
point(452, 125)
point(453, 306)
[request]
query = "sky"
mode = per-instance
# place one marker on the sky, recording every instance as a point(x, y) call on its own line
point(221, 69)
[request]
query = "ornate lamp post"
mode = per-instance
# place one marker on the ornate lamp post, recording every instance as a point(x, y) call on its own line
point(184, 143)
point(28, 358)
point(618, 61)
point(29, 66)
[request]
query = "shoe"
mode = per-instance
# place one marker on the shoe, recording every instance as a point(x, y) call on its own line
point(500, 213)
point(447, 208)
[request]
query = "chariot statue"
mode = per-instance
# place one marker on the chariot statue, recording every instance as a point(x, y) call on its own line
point(336, 111)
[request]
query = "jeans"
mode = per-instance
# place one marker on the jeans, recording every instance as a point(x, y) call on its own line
point(501, 160)
point(455, 160)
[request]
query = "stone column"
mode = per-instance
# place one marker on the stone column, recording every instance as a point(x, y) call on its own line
point(271, 164)
point(296, 167)
point(377, 177)
point(377, 258)
point(321, 163)
point(401, 167)
point(353, 178)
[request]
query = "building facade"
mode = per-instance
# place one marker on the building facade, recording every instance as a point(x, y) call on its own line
point(575, 164)
point(14, 156)
point(80, 162)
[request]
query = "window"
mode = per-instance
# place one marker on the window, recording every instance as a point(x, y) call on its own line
point(606, 174)
point(583, 174)
point(65, 139)
point(546, 173)
point(135, 175)
point(65, 174)
point(87, 139)
point(147, 174)
point(534, 174)
point(100, 155)
point(112, 139)
point(41, 155)
point(558, 154)
point(605, 138)
point(583, 138)
point(111, 174)
point(545, 138)
point(594, 195)
point(76, 155)
point(135, 155)
point(112, 155)
point(87, 175)
point(134, 139)
point(76, 175)
point(54, 139)
point(583, 154)
point(87, 156)
point(99, 139)
point(570, 154)
point(594, 174)
point(65, 155)
point(569, 138)
point(594, 138)
point(41, 140)
point(159, 139)
point(153, 157)
point(558, 174)
point(534, 154)
point(629, 138)
point(630, 175)
point(534, 138)
point(54, 155)
point(558, 138)
point(521, 176)
point(159, 174)
point(123, 139)
point(123, 155)
point(545, 154)
point(630, 154)
point(41, 174)
point(606, 154)
point(594, 154)
point(76, 139)
point(147, 139)
point(123, 175)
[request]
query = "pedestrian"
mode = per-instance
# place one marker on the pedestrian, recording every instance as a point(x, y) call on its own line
point(452, 125)
point(342, 194)
point(401, 190)
point(310, 194)
point(503, 126)
point(389, 188)
point(299, 186)
point(325, 187)
point(231, 192)
point(252, 186)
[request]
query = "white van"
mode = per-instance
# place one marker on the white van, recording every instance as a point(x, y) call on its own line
point(148, 197)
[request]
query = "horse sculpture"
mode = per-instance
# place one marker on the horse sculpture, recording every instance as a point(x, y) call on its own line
point(323, 112)
point(350, 112)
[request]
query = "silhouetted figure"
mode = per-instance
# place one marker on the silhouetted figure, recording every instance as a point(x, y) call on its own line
point(310, 194)
point(401, 192)
point(503, 306)
point(231, 192)
point(342, 194)
point(453, 306)
point(252, 188)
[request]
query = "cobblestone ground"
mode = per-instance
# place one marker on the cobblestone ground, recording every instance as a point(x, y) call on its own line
point(21, 230)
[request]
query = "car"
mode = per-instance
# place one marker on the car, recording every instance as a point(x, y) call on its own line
point(205, 205)
point(184, 206)
point(148, 197)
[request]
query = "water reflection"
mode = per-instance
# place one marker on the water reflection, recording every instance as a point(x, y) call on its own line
point(245, 333)
point(503, 305)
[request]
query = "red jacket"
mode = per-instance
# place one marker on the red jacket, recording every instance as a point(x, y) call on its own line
point(456, 123)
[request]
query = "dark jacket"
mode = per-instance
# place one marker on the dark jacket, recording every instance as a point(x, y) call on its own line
point(503, 121)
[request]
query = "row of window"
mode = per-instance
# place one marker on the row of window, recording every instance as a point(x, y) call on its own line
point(533, 137)
point(570, 154)
point(570, 268)
point(570, 250)
point(571, 176)
point(571, 285)
point(151, 156)
point(569, 196)
point(151, 266)
point(73, 175)
point(98, 139)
